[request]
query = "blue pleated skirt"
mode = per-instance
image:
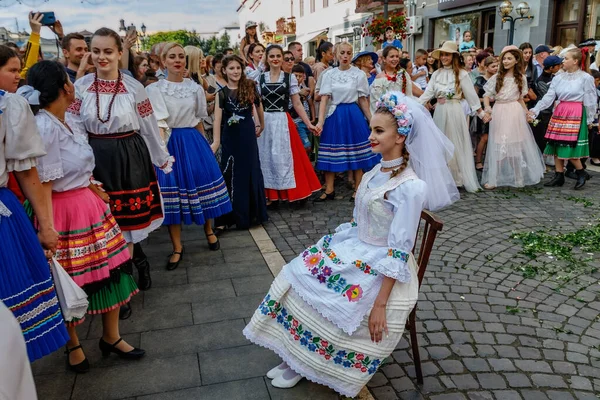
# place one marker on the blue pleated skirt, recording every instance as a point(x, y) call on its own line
point(195, 190)
point(344, 144)
point(26, 285)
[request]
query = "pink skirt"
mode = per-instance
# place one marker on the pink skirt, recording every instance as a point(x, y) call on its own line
point(90, 243)
point(565, 123)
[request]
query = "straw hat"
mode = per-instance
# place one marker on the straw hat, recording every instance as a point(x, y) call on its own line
point(447, 47)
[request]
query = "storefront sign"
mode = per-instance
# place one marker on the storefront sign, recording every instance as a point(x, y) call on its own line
point(449, 4)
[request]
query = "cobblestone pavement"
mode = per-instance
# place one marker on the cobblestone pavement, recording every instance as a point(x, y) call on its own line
point(485, 331)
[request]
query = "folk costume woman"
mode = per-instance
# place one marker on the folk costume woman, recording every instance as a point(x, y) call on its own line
point(449, 85)
point(114, 112)
point(26, 285)
point(91, 248)
point(391, 79)
point(240, 162)
point(280, 142)
point(567, 134)
point(344, 144)
point(195, 192)
point(326, 312)
point(512, 156)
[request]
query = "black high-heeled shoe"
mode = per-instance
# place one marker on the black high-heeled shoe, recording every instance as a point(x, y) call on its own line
point(107, 348)
point(328, 196)
point(80, 368)
point(213, 246)
point(173, 265)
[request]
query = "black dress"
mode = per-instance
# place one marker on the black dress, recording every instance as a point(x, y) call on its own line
point(240, 163)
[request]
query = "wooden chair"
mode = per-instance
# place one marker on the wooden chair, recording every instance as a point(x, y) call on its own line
point(432, 225)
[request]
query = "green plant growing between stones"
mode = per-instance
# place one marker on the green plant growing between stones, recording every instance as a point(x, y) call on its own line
point(582, 200)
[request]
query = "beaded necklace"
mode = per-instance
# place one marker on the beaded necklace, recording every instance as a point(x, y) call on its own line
point(112, 100)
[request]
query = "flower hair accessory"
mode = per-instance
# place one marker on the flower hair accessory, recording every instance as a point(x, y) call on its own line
point(399, 110)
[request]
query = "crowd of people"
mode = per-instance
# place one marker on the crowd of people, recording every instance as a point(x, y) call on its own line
point(171, 137)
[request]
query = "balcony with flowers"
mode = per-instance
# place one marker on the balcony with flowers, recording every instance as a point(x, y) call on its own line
point(286, 27)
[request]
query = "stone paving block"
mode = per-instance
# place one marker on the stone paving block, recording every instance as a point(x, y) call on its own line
point(432, 384)
point(476, 364)
point(146, 376)
point(402, 384)
point(464, 382)
point(517, 380)
point(534, 395)
point(533, 366)
point(463, 350)
point(556, 395)
point(236, 363)
point(585, 396)
point(557, 355)
point(304, 390)
point(230, 308)
point(485, 350)
point(451, 366)
point(502, 364)
point(392, 371)
point(252, 285)
point(54, 386)
point(580, 383)
point(491, 381)
point(384, 393)
point(246, 389)
point(438, 338)
point(193, 292)
point(530, 353)
point(577, 358)
point(195, 338)
point(449, 396)
point(507, 395)
point(402, 357)
point(428, 369)
point(438, 352)
point(547, 380)
point(206, 273)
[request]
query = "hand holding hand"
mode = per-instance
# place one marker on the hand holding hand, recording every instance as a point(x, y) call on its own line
point(35, 22)
point(258, 130)
point(487, 118)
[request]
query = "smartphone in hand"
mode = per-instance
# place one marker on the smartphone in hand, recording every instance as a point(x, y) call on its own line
point(48, 18)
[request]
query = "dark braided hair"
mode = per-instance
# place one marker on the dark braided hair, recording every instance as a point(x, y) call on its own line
point(405, 155)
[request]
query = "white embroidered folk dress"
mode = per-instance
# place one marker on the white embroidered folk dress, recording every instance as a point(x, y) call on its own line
point(381, 86)
point(343, 87)
point(20, 142)
point(512, 156)
point(449, 117)
point(274, 146)
point(131, 111)
point(320, 328)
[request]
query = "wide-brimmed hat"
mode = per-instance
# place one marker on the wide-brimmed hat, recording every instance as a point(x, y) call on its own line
point(373, 56)
point(588, 42)
point(447, 47)
point(251, 24)
point(509, 48)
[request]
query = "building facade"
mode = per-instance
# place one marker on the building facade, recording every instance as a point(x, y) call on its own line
point(49, 47)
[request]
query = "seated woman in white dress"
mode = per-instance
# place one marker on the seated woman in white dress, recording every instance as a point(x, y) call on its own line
point(354, 289)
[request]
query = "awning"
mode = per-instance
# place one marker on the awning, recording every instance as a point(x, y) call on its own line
point(313, 36)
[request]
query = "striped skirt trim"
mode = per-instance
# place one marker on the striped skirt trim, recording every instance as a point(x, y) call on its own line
point(565, 123)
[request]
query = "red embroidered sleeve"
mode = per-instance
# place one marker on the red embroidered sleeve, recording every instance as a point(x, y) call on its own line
point(145, 108)
point(75, 107)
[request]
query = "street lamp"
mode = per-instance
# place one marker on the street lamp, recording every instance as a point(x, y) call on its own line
point(505, 9)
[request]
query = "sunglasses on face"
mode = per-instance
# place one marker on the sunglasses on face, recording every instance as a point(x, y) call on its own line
point(288, 59)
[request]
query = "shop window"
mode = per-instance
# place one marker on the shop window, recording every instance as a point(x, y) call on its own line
point(569, 10)
point(453, 27)
point(567, 36)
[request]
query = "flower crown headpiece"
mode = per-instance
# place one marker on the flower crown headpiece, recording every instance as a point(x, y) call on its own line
point(399, 110)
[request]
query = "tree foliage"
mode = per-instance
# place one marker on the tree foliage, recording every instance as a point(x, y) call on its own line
point(212, 45)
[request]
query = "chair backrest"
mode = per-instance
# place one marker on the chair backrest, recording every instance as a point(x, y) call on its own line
point(432, 225)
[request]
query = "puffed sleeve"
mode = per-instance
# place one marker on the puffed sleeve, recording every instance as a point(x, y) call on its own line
point(408, 200)
point(50, 166)
point(158, 104)
point(294, 87)
point(73, 114)
point(466, 85)
point(409, 86)
point(429, 92)
point(149, 130)
point(590, 98)
point(490, 87)
point(362, 85)
point(525, 88)
point(548, 98)
point(201, 108)
point(325, 88)
point(23, 143)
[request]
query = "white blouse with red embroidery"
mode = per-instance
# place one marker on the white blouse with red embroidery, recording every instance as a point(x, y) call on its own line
point(131, 111)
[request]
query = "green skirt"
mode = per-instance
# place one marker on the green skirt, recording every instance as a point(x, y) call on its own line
point(110, 297)
point(580, 150)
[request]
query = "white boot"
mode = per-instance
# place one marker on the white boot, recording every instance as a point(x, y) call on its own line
point(287, 380)
point(277, 371)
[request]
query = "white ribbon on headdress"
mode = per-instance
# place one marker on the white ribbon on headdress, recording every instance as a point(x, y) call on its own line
point(32, 95)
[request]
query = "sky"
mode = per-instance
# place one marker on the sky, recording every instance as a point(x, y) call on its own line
point(77, 15)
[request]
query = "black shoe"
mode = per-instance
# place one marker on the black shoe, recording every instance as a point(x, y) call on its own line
point(557, 180)
point(80, 368)
point(582, 176)
point(107, 348)
point(173, 265)
point(571, 174)
point(273, 206)
point(125, 311)
point(143, 266)
point(352, 198)
point(213, 246)
point(328, 196)
point(298, 205)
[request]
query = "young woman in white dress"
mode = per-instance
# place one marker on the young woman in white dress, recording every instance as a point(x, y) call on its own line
point(339, 309)
point(393, 78)
point(449, 85)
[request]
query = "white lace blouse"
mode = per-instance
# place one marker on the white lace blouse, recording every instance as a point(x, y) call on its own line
point(344, 86)
point(509, 91)
point(131, 111)
point(442, 83)
point(178, 104)
point(383, 85)
point(20, 141)
point(69, 159)
point(571, 86)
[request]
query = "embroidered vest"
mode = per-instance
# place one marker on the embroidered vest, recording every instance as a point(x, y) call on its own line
point(275, 96)
point(373, 216)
